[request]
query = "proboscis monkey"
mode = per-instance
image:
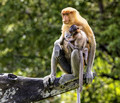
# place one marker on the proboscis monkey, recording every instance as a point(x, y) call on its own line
point(71, 16)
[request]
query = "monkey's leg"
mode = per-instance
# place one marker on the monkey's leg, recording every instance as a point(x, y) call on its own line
point(53, 63)
point(81, 71)
point(61, 60)
point(91, 55)
point(69, 49)
point(75, 62)
point(85, 51)
point(63, 63)
point(50, 78)
point(55, 60)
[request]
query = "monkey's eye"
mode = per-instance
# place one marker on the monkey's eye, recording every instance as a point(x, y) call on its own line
point(67, 13)
point(72, 33)
point(63, 14)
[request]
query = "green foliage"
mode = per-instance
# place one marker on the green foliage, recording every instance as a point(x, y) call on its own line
point(28, 29)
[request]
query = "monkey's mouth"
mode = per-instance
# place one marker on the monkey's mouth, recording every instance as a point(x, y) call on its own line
point(66, 22)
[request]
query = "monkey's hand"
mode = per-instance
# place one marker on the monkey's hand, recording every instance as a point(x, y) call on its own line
point(57, 48)
point(89, 77)
point(69, 45)
point(48, 80)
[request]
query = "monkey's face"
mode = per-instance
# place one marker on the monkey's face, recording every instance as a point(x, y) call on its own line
point(67, 16)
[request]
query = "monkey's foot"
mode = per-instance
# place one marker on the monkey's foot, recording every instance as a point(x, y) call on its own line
point(48, 80)
point(66, 78)
point(89, 77)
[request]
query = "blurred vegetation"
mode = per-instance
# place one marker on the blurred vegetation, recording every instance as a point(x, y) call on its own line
point(28, 29)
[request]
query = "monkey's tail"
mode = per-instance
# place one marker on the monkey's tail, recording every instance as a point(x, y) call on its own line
point(81, 71)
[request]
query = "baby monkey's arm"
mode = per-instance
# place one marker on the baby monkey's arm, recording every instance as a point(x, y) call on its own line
point(72, 46)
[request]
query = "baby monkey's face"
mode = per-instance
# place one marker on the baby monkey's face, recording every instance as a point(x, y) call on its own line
point(73, 33)
point(73, 30)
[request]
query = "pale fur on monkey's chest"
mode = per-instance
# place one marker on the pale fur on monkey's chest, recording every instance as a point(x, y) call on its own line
point(80, 42)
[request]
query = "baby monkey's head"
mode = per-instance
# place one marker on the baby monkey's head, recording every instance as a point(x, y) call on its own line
point(74, 29)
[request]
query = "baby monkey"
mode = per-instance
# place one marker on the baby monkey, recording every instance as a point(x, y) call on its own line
point(77, 39)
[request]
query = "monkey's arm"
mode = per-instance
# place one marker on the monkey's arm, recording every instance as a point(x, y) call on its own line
point(54, 62)
point(72, 46)
point(91, 54)
point(91, 38)
point(57, 45)
point(59, 41)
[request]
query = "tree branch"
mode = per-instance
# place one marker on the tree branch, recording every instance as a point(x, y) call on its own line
point(18, 89)
point(101, 6)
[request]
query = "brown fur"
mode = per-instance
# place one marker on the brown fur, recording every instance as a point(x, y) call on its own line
point(76, 19)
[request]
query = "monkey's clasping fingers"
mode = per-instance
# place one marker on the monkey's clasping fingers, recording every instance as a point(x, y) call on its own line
point(89, 80)
point(52, 79)
point(46, 80)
